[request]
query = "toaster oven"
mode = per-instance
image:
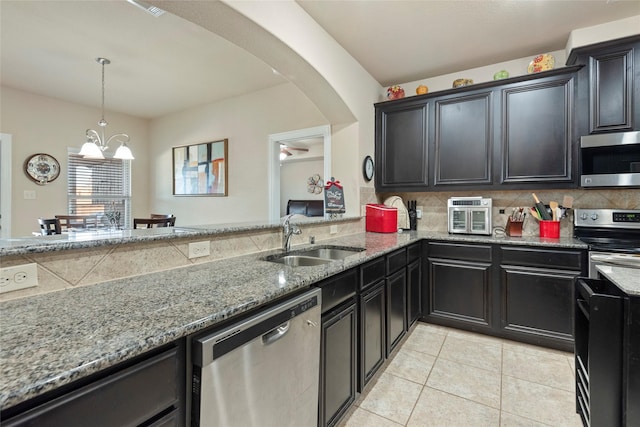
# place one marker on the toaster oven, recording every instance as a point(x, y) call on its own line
point(469, 215)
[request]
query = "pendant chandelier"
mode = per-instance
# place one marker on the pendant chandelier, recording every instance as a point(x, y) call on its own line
point(96, 143)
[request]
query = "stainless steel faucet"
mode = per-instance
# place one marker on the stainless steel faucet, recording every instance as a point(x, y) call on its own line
point(287, 231)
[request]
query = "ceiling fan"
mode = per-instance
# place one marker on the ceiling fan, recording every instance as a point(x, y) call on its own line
point(286, 150)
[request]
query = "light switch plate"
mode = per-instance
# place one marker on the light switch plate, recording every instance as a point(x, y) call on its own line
point(18, 277)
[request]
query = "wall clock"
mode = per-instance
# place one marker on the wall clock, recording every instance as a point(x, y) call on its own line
point(367, 168)
point(42, 168)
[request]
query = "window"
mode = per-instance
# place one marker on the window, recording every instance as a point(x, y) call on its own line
point(98, 187)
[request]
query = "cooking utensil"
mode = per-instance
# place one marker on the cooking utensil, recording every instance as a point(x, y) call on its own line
point(554, 210)
point(534, 213)
point(542, 210)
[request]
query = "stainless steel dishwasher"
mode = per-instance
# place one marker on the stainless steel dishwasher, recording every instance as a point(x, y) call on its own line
point(262, 371)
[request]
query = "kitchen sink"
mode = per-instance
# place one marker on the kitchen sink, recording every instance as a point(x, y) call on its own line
point(314, 256)
point(331, 252)
point(298, 260)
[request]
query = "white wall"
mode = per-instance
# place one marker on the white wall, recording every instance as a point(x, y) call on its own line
point(607, 31)
point(246, 122)
point(46, 125)
point(293, 181)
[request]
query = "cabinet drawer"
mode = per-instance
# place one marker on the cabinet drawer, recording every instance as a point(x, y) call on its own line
point(544, 257)
point(338, 289)
point(372, 272)
point(460, 251)
point(414, 252)
point(128, 397)
point(396, 260)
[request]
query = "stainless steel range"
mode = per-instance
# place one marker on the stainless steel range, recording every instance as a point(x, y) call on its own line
point(613, 236)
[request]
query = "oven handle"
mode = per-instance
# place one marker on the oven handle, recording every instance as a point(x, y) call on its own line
point(624, 261)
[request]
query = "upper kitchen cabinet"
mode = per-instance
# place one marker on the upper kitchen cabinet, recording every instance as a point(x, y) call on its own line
point(516, 133)
point(608, 99)
point(401, 148)
point(463, 139)
point(537, 131)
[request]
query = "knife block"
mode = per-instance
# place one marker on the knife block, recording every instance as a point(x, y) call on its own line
point(513, 228)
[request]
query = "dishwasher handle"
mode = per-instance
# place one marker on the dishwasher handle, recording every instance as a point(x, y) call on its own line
point(275, 334)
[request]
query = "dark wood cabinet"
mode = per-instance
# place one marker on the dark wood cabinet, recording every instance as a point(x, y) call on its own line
point(513, 133)
point(536, 286)
point(463, 139)
point(396, 309)
point(414, 283)
point(517, 292)
point(609, 96)
point(148, 390)
point(338, 361)
point(401, 147)
point(372, 331)
point(537, 132)
point(460, 285)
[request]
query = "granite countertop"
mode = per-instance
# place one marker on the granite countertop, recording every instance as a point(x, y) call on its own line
point(50, 340)
point(627, 279)
point(83, 239)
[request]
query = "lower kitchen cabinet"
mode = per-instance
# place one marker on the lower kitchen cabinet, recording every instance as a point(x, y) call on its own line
point(536, 288)
point(396, 309)
point(338, 363)
point(372, 332)
point(149, 390)
point(460, 285)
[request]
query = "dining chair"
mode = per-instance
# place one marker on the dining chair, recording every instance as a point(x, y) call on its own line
point(77, 221)
point(49, 226)
point(151, 222)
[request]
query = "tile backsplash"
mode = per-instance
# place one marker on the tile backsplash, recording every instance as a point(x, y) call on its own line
point(434, 204)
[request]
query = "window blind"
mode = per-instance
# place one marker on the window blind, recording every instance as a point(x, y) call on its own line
point(99, 186)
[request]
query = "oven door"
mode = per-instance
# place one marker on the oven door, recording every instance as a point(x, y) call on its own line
point(480, 221)
point(458, 220)
point(611, 259)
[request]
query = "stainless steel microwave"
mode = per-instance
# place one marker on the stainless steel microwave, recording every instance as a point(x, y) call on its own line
point(610, 160)
point(469, 215)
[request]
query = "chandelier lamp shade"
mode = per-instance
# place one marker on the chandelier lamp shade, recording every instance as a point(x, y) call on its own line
point(96, 143)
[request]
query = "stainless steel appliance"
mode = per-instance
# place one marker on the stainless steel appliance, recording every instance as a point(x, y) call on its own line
point(262, 371)
point(610, 160)
point(469, 215)
point(613, 236)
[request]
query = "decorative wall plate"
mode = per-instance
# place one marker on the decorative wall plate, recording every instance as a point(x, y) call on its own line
point(42, 168)
point(314, 184)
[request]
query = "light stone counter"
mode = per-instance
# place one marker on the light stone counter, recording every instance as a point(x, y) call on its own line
point(50, 340)
point(627, 279)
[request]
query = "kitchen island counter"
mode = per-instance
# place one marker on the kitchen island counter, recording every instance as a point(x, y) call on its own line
point(49, 340)
point(627, 279)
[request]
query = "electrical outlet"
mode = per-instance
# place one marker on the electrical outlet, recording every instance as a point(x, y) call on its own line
point(29, 194)
point(333, 229)
point(419, 210)
point(199, 249)
point(18, 277)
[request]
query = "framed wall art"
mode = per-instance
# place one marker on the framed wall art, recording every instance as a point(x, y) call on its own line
point(200, 169)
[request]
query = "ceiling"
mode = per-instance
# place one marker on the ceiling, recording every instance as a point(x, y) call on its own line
point(167, 64)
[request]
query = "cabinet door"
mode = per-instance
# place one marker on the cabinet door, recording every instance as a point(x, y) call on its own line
point(337, 364)
point(128, 397)
point(463, 135)
point(538, 302)
point(414, 287)
point(537, 124)
point(611, 91)
point(396, 308)
point(460, 293)
point(401, 147)
point(372, 332)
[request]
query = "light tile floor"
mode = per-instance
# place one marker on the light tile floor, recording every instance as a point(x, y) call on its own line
point(448, 377)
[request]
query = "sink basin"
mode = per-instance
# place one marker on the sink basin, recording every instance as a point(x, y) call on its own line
point(299, 260)
point(314, 256)
point(331, 252)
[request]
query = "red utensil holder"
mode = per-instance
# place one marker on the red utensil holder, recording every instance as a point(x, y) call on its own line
point(550, 229)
